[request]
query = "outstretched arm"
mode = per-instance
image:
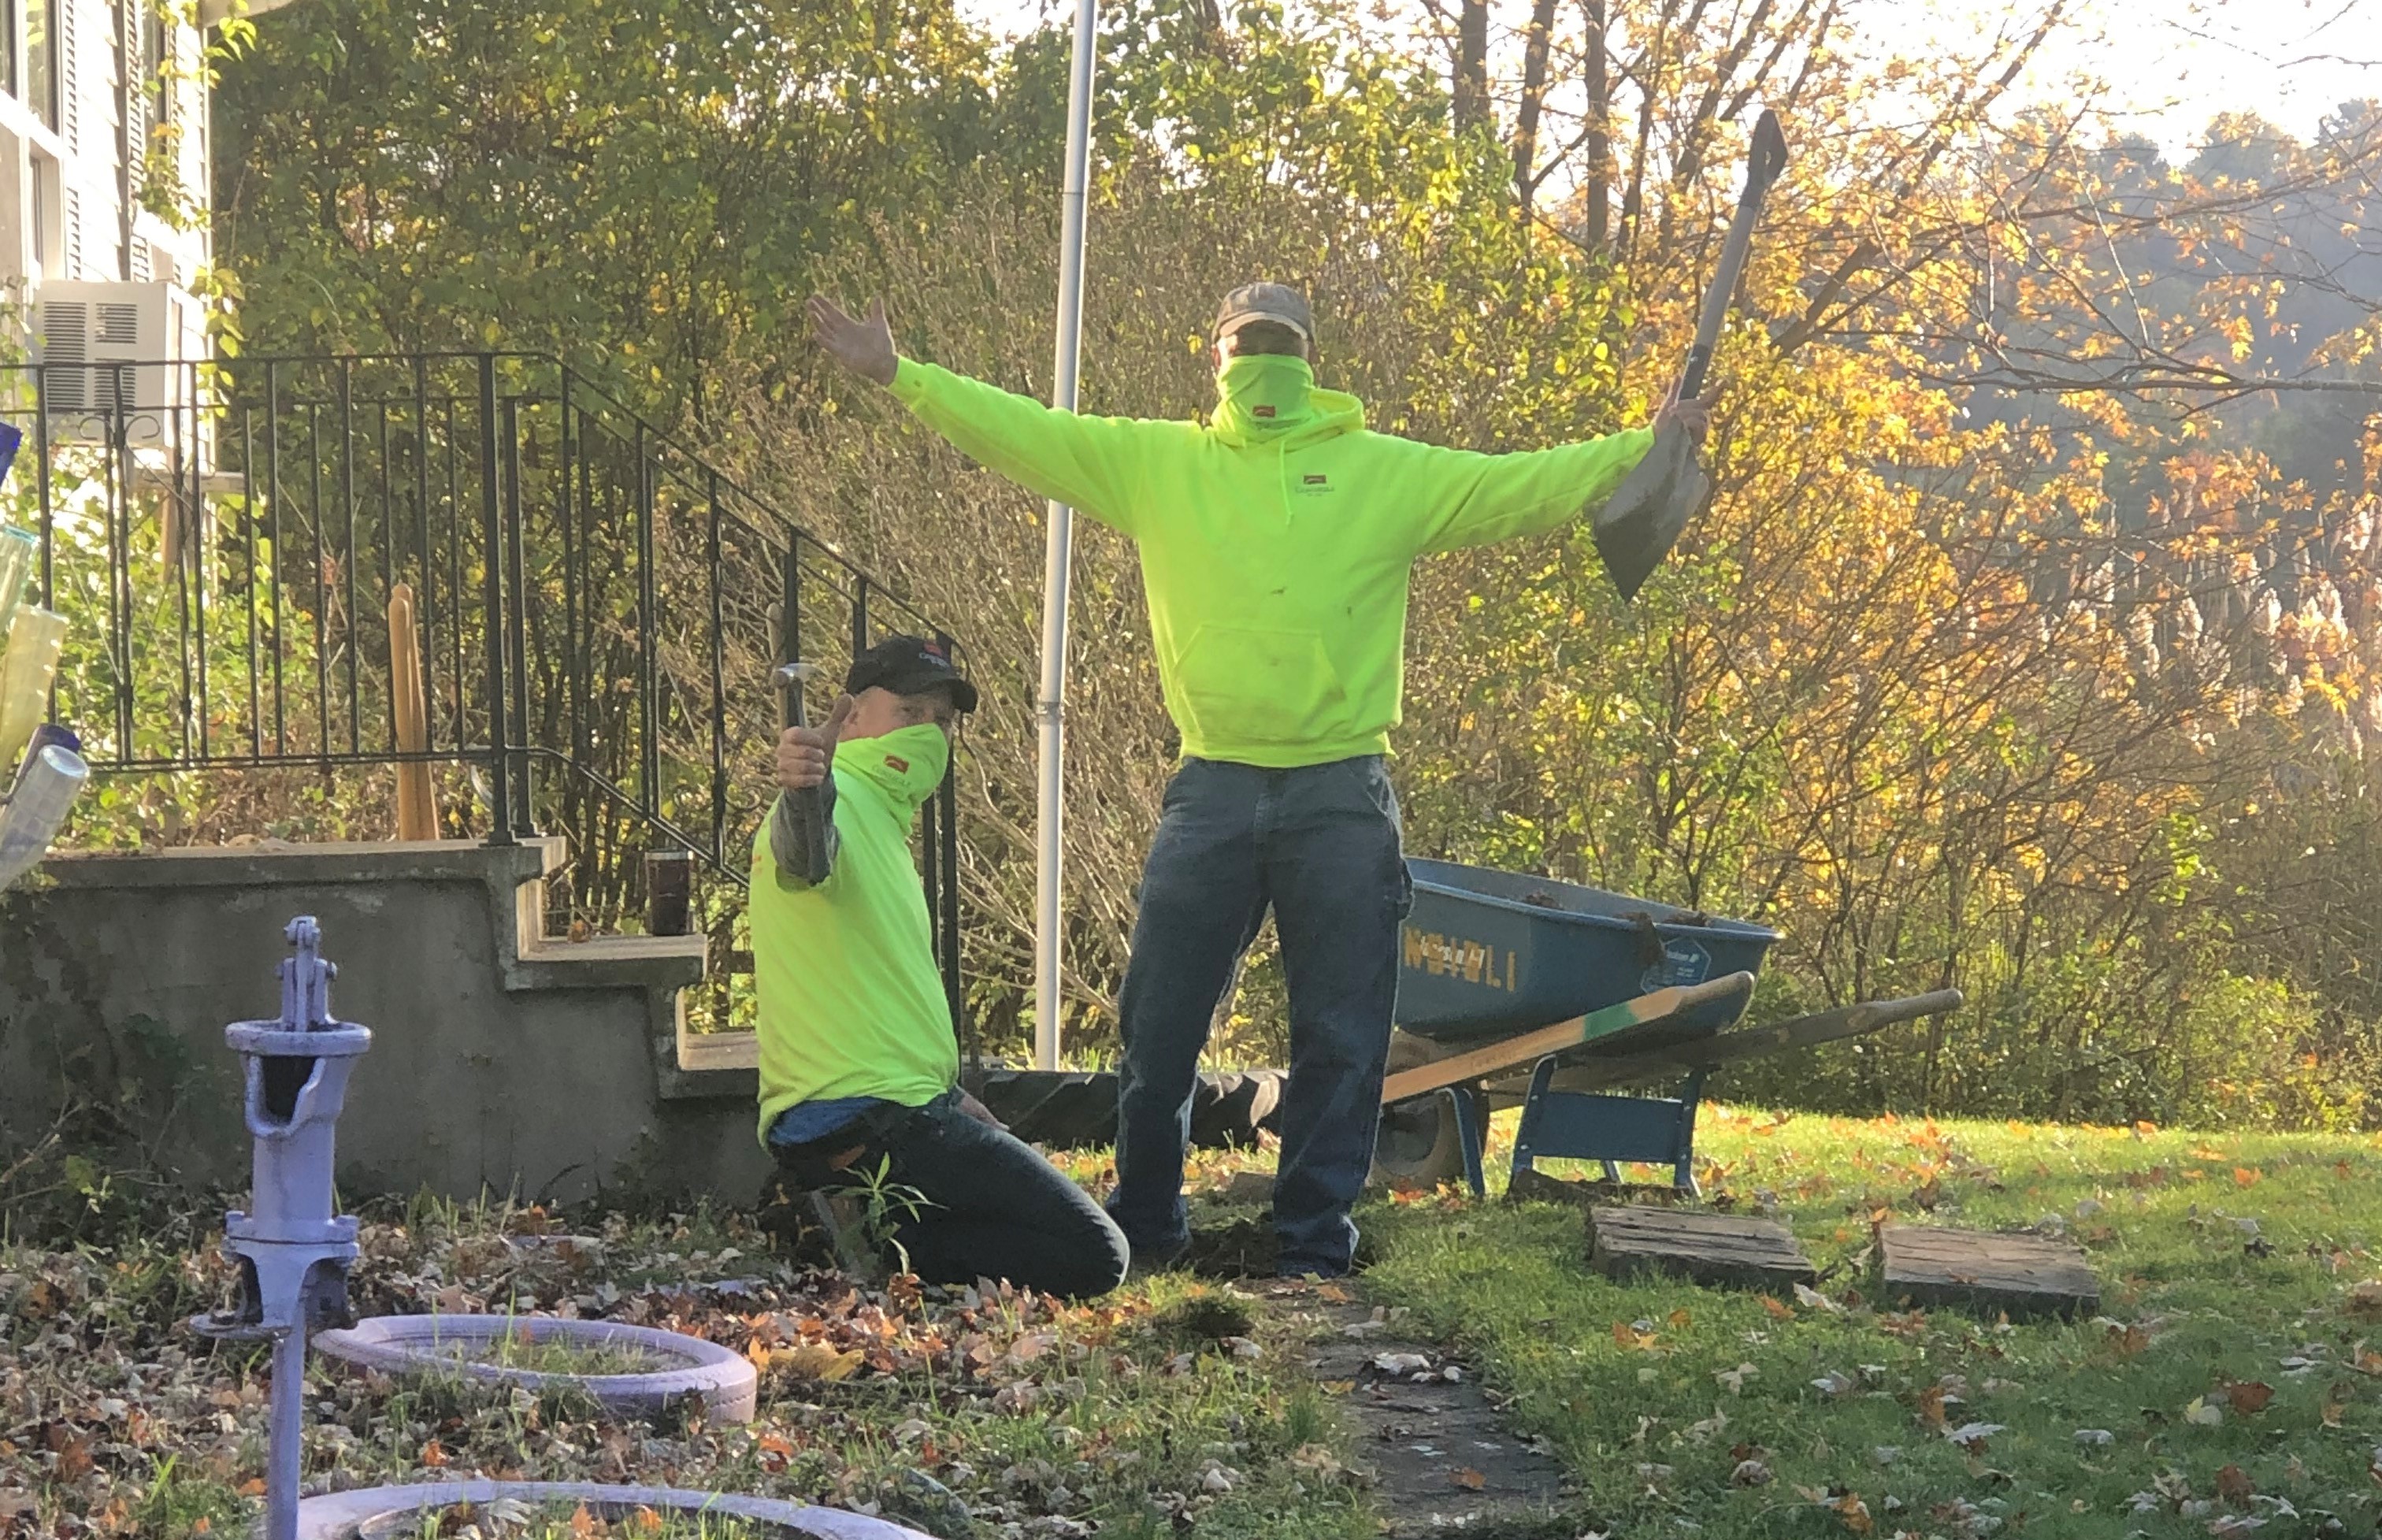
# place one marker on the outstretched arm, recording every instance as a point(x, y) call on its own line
point(1482, 499)
point(1091, 463)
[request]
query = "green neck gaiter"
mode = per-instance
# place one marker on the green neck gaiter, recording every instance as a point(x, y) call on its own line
point(908, 763)
point(1263, 395)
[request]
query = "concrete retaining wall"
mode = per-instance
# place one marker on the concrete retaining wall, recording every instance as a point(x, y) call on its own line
point(501, 1061)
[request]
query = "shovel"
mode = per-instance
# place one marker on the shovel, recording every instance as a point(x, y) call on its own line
point(1638, 524)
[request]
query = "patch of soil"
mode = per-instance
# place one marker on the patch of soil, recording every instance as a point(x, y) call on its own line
point(1247, 1248)
point(1438, 1448)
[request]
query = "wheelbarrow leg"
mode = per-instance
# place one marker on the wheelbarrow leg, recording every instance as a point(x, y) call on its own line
point(1683, 1175)
point(1472, 1135)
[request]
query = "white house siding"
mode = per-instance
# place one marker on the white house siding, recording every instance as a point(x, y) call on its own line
point(68, 209)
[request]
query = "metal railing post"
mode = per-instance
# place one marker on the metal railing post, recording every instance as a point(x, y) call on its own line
point(517, 618)
point(492, 595)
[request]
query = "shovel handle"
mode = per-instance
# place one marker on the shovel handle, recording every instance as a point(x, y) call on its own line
point(1769, 158)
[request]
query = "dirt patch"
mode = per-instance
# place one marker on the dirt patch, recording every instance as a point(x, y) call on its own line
point(1437, 1448)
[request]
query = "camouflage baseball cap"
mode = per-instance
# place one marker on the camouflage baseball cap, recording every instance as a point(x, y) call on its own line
point(1276, 302)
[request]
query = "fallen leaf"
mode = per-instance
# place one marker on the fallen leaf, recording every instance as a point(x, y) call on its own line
point(2244, 1176)
point(1336, 1388)
point(1972, 1436)
point(817, 1361)
point(433, 1453)
point(1778, 1311)
point(2364, 1301)
point(583, 1523)
point(2251, 1399)
point(1467, 1478)
point(1337, 1293)
point(74, 1459)
point(1680, 1319)
point(2233, 1485)
point(2331, 1413)
point(2203, 1412)
point(1931, 1406)
point(1812, 1298)
point(1749, 1473)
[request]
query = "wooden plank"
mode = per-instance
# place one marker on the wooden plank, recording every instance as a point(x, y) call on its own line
point(2020, 1274)
point(1531, 1047)
point(1704, 1247)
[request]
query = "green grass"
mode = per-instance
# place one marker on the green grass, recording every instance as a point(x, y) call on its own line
point(513, 1520)
point(2225, 1261)
point(524, 1350)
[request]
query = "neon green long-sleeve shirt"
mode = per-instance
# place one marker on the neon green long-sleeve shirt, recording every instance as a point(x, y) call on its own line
point(1276, 541)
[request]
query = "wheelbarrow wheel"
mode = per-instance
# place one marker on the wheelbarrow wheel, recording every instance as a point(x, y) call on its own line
point(1418, 1144)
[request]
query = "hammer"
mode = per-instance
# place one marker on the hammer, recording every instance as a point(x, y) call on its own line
point(809, 807)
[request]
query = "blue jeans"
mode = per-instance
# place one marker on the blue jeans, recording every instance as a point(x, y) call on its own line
point(1320, 846)
point(994, 1208)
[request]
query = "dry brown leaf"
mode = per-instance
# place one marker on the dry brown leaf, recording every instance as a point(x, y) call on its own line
point(1337, 1293)
point(583, 1523)
point(1931, 1406)
point(1336, 1387)
point(74, 1459)
point(2364, 1301)
point(2233, 1485)
point(2250, 1399)
point(433, 1453)
point(1680, 1319)
point(1467, 1478)
point(2331, 1413)
point(2247, 1175)
point(1778, 1310)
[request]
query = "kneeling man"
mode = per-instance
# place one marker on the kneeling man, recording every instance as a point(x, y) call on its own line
point(859, 1063)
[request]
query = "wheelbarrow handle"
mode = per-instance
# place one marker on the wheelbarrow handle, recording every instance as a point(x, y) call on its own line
point(1804, 1031)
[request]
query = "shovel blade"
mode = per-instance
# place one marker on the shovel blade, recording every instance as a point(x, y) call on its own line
point(1640, 523)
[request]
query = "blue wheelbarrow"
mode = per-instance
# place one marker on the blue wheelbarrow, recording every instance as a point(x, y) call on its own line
point(1523, 989)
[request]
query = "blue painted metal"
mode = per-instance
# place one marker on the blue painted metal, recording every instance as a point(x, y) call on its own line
point(1487, 953)
point(1472, 1133)
point(294, 1250)
point(1570, 1125)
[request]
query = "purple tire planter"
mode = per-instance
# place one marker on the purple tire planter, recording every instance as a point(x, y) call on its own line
point(423, 1344)
point(345, 1515)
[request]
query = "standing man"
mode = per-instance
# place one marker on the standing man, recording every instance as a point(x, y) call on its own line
point(1276, 541)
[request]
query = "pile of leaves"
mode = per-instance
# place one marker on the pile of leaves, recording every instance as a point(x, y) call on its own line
point(971, 1412)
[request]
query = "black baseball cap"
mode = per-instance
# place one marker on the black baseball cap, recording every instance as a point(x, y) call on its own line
point(910, 666)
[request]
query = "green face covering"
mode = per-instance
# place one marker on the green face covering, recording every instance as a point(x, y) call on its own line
point(908, 762)
point(1263, 394)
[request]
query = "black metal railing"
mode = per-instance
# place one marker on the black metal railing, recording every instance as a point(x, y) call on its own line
point(598, 610)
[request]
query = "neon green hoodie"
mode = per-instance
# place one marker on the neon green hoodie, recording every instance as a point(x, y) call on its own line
point(1276, 541)
point(851, 1004)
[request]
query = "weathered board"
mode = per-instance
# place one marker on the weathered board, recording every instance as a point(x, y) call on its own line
point(1702, 1248)
point(2015, 1274)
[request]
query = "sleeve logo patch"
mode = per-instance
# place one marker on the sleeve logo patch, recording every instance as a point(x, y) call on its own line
point(898, 765)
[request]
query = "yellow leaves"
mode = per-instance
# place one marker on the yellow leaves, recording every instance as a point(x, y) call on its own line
point(816, 1361)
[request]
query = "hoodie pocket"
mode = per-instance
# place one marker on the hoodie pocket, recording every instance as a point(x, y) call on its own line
point(1245, 686)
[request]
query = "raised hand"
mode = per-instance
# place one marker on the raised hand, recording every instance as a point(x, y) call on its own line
point(863, 346)
point(807, 755)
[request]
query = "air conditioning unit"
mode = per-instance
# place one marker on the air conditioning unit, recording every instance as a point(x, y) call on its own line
point(117, 365)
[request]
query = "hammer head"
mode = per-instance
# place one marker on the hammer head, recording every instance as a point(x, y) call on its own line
point(789, 680)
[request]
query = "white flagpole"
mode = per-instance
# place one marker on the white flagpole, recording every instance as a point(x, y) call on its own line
point(1049, 702)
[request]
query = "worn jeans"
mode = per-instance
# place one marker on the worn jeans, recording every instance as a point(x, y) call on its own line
point(1320, 846)
point(993, 1209)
